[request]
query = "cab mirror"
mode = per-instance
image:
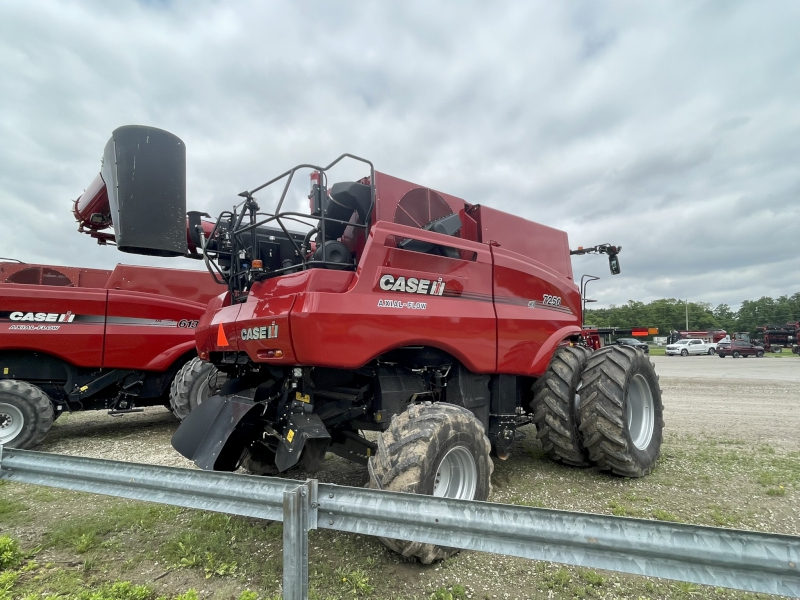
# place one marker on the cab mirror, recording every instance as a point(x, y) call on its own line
point(613, 264)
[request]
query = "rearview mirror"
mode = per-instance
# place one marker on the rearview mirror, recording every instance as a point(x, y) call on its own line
point(613, 264)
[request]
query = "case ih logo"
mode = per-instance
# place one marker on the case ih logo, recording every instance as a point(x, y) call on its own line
point(40, 317)
point(412, 285)
point(260, 333)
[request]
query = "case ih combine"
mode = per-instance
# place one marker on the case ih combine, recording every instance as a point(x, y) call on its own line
point(440, 326)
point(73, 338)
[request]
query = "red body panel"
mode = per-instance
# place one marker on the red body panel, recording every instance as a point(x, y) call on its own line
point(137, 317)
point(79, 342)
point(147, 331)
point(506, 304)
point(528, 328)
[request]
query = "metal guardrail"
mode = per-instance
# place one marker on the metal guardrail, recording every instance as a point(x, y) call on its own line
point(752, 561)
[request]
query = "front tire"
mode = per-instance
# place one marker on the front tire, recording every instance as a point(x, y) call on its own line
point(555, 407)
point(621, 412)
point(26, 414)
point(193, 384)
point(434, 449)
point(684, 353)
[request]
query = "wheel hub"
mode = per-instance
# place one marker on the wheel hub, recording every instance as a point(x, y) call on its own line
point(11, 422)
point(457, 475)
point(639, 412)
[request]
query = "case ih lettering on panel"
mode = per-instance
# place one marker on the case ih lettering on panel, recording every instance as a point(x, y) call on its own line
point(442, 325)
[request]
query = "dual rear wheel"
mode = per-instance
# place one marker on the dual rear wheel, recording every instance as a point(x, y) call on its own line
point(602, 408)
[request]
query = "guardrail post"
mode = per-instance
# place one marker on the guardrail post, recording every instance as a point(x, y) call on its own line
point(299, 515)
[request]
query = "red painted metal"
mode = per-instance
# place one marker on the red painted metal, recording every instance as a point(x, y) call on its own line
point(132, 317)
point(91, 209)
point(509, 299)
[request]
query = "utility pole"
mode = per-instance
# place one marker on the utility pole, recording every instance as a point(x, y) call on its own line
point(686, 303)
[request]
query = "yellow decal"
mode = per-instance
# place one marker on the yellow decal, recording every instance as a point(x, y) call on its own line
point(5, 371)
point(84, 388)
point(290, 436)
point(302, 398)
point(378, 416)
point(369, 452)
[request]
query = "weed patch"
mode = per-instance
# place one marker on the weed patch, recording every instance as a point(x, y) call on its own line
point(11, 507)
point(354, 581)
point(457, 592)
point(10, 554)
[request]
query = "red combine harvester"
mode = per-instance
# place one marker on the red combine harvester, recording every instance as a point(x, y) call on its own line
point(777, 337)
point(73, 338)
point(440, 326)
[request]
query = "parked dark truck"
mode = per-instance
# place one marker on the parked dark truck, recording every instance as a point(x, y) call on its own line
point(439, 325)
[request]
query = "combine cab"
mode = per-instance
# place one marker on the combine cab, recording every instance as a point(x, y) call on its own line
point(402, 328)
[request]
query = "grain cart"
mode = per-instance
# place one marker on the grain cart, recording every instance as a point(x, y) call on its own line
point(438, 325)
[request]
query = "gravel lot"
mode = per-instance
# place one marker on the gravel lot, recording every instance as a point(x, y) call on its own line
point(730, 459)
point(755, 400)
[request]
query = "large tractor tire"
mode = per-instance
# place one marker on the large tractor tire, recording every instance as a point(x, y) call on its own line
point(194, 383)
point(555, 407)
point(26, 414)
point(621, 412)
point(434, 449)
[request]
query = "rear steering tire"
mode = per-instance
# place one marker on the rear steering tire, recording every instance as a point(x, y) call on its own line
point(194, 383)
point(434, 449)
point(555, 407)
point(26, 414)
point(621, 411)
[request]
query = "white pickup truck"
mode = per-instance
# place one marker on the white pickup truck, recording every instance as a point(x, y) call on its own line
point(686, 347)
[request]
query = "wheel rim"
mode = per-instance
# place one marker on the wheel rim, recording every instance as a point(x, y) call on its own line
point(11, 422)
point(457, 475)
point(639, 412)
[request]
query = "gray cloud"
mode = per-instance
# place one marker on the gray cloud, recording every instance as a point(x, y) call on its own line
point(670, 129)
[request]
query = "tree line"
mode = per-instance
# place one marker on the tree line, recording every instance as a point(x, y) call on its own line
point(670, 314)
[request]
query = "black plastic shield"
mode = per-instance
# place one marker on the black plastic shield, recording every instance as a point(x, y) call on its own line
point(145, 172)
point(213, 435)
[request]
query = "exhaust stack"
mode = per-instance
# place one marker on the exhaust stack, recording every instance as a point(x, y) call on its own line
point(144, 170)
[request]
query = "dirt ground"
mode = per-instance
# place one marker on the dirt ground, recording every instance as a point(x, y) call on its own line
point(755, 400)
point(730, 458)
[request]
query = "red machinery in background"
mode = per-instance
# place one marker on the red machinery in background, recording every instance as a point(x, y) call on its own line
point(711, 335)
point(74, 338)
point(777, 337)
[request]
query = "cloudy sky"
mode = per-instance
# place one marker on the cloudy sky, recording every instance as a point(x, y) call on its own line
point(669, 128)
